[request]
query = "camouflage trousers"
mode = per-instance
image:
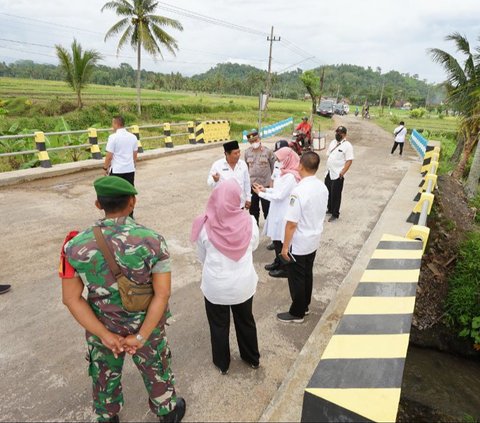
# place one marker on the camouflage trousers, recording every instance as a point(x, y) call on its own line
point(153, 362)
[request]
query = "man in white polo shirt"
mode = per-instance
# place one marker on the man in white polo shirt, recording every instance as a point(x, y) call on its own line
point(340, 158)
point(303, 230)
point(122, 149)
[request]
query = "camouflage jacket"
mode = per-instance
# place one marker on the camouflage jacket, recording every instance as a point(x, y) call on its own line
point(139, 252)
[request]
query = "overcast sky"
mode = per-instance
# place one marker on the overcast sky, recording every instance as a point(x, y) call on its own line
point(377, 33)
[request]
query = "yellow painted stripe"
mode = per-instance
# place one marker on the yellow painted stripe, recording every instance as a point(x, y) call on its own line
point(43, 155)
point(388, 237)
point(378, 404)
point(367, 346)
point(380, 305)
point(95, 148)
point(397, 254)
point(397, 275)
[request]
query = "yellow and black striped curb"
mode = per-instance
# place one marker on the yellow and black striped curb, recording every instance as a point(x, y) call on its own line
point(212, 131)
point(359, 376)
point(42, 150)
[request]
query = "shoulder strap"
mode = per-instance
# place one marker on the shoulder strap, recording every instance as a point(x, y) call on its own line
point(338, 145)
point(102, 245)
point(401, 129)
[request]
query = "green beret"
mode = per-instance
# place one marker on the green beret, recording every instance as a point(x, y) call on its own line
point(113, 186)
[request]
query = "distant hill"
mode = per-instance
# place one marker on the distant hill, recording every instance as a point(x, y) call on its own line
point(354, 83)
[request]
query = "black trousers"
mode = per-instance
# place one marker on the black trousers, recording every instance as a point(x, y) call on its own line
point(300, 283)
point(130, 177)
point(278, 249)
point(335, 188)
point(245, 328)
point(397, 144)
point(255, 207)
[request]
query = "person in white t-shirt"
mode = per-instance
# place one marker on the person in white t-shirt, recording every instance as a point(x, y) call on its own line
point(304, 226)
point(226, 236)
point(122, 150)
point(340, 158)
point(400, 132)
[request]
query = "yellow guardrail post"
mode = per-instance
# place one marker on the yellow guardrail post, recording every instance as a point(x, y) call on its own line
point(42, 150)
point(136, 132)
point(168, 135)
point(93, 140)
point(200, 133)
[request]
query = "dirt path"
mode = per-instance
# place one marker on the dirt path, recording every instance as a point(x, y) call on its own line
point(44, 375)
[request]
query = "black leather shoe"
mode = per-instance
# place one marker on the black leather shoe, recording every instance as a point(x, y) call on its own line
point(278, 273)
point(271, 247)
point(176, 415)
point(114, 419)
point(272, 266)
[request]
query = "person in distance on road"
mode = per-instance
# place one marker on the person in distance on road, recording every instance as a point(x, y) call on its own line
point(260, 161)
point(399, 137)
point(306, 128)
point(279, 197)
point(102, 258)
point(340, 158)
point(231, 166)
point(304, 225)
point(226, 236)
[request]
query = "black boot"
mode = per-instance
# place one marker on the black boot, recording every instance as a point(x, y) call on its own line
point(176, 415)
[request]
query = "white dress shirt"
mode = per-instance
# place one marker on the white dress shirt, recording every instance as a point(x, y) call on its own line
point(307, 208)
point(337, 157)
point(401, 131)
point(279, 196)
point(122, 144)
point(277, 172)
point(240, 173)
point(226, 281)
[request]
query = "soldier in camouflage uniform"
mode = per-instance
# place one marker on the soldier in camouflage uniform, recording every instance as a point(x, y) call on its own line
point(112, 331)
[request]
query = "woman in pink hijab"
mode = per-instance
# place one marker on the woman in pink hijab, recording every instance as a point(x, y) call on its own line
point(226, 236)
point(279, 197)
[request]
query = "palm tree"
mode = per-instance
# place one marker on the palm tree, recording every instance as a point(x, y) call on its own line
point(142, 29)
point(78, 67)
point(462, 82)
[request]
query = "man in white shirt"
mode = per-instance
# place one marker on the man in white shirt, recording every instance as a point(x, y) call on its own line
point(231, 166)
point(122, 150)
point(399, 132)
point(305, 215)
point(340, 158)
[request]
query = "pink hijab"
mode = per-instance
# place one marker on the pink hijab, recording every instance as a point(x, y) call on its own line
point(229, 228)
point(290, 162)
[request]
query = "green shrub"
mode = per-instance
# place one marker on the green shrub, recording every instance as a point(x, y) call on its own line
point(417, 113)
point(463, 300)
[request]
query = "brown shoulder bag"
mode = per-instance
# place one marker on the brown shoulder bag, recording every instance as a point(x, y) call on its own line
point(134, 296)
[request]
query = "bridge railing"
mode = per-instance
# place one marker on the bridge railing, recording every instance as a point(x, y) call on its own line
point(193, 132)
point(359, 375)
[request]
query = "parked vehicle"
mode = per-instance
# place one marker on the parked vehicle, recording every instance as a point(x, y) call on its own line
point(325, 108)
point(346, 109)
point(338, 109)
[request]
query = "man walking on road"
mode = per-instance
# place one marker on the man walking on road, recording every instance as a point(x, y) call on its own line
point(303, 230)
point(122, 149)
point(260, 161)
point(231, 166)
point(112, 259)
point(399, 132)
point(340, 158)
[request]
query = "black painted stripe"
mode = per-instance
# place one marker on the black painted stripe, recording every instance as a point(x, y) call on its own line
point(429, 148)
point(413, 218)
point(358, 373)
point(421, 183)
point(427, 161)
point(386, 289)
point(374, 324)
point(399, 245)
point(316, 409)
point(41, 146)
point(417, 197)
point(394, 264)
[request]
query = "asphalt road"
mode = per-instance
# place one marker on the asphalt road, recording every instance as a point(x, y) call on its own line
point(42, 366)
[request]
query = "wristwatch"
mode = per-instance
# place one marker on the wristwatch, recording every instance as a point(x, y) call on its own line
point(140, 338)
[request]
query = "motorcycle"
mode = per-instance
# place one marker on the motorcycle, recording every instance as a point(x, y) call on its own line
point(300, 143)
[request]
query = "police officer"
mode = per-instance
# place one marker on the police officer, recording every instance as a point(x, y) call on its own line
point(260, 161)
point(303, 230)
point(111, 330)
point(231, 166)
point(340, 158)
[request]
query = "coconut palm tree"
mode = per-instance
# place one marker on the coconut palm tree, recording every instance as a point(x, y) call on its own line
point(142, 29)
point(78, 67)
point(462, 82)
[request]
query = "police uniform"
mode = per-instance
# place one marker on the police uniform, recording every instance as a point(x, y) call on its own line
point(339, 152)
point(139, 252)
point(239, 172)
point(307, 208)
point(260, 162)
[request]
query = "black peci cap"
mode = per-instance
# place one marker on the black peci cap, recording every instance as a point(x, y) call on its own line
point(341, 129)
point(230, 146)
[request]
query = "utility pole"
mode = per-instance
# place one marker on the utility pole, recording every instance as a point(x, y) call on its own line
point(381, 95)
point(269, 75)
